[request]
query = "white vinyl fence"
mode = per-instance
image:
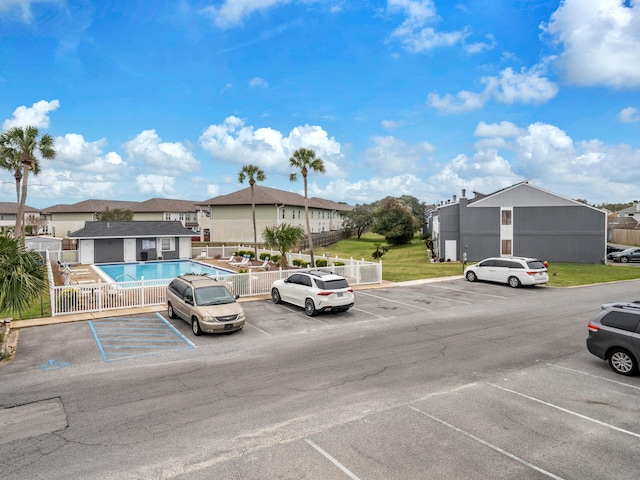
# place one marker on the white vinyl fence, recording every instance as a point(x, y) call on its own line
point(95, 297)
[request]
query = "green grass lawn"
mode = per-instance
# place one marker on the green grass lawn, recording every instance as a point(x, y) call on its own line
point(411, 262)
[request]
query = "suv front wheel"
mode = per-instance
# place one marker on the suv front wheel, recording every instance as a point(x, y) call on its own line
point(622, 362)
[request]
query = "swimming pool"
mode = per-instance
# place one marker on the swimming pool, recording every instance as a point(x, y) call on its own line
point(129, 272)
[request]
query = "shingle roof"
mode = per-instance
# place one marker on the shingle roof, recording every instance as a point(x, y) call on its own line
point(271, 196)
point(12, 208)
point(165, 205)
point(132, 229)
point(89, 206)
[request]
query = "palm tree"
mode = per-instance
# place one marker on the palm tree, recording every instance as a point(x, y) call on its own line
point(18, 149)
point(305, 160)
point(283, 238)
point(22, 275)
point(253, 173)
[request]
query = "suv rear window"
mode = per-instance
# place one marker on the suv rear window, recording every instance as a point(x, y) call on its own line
point(332, 284)
point(535, 264)
point(622, 320)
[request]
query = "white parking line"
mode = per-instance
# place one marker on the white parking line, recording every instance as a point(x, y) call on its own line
point(259, 329)
point(466, 291)
point(368, 313)
point(593, 376)
point(487, 444)
point(395, 301)
point(579, 415)
point(332, 460)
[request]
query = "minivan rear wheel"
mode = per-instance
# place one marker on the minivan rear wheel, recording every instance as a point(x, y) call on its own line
point(623, 362)
point(195, 327)
point(170, 311)
point(514, 282)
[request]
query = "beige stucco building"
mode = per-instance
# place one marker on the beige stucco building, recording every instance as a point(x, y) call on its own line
point(231, 214)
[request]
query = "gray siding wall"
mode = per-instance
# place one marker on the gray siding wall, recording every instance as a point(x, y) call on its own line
point(449, 226)
point(480, 236)
point(569, 234)
point(108, 250)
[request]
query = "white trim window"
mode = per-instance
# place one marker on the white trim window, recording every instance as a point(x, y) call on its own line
point(166, 244)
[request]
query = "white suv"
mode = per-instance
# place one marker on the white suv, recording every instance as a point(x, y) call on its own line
point(316, 291)
point(514, 271)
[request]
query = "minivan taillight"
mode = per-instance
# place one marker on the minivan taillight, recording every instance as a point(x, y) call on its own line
point(592, 327)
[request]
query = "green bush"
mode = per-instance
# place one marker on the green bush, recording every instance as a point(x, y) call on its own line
point(321, 262)
point(275, 259)
point(338, 264)
point(298, 262)
point(242, 253)
point(264, 256)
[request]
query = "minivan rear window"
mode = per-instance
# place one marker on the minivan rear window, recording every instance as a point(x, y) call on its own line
point(622, 320)
point(535, 264)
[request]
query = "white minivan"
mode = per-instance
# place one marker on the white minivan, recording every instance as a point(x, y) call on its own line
point(514, 271)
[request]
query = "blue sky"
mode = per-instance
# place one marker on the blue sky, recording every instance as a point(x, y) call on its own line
point(419, 97)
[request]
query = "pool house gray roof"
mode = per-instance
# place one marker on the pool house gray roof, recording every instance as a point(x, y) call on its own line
point(132, 229)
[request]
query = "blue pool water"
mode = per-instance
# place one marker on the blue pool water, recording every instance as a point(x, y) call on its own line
point(128, 272)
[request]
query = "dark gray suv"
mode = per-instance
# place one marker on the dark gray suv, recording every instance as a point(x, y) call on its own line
point(614, 335)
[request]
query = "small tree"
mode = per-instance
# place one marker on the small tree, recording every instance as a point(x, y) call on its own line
point(114, 215)
point(36, 222)
point(283, 238)
point(395, 221)
point(361, 218)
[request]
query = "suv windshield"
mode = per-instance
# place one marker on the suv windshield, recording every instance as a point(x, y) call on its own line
point(213, 295)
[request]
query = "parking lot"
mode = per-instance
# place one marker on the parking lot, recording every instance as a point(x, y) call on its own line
point(434, 380)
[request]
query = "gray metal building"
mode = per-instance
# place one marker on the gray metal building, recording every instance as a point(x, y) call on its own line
point(520, 220)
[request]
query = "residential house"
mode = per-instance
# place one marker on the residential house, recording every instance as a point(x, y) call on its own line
point(32, 219)
point(130, 241)
point(64, 219)
point(520, 220)
point(231, 214)
point(632, 211)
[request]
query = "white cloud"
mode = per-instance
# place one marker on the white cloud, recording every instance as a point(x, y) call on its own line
point(413, 33)
point(74, 152)
point(233, 142)
point(21, 7)
point(527, 86)
point(258, 82)
point(629, 115)
point(156, 185)
point(502, 129)
point(479, 47)
point(392, 155)
point(233, 12)
point(390, 124)
point(36, 116)
point(601, 40)
point(163, 158)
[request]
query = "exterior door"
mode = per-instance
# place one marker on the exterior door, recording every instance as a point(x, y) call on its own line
point(85, 254)
point(451, 250)
point(129, 249)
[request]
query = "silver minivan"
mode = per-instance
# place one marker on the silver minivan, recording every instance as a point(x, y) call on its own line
point(207, 305)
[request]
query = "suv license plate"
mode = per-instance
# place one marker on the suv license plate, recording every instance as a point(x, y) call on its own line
point(339, 294)
point(228, 326)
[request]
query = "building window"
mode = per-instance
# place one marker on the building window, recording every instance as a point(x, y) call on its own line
point(166, 244)
point(293, 214)
point(298, 213)
point(506, 217)
point(182, 216)
point(283, 212)
point(506, 247)
point(167, 216)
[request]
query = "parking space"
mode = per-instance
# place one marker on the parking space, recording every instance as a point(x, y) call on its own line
point(544, 422)
point(120, 338)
